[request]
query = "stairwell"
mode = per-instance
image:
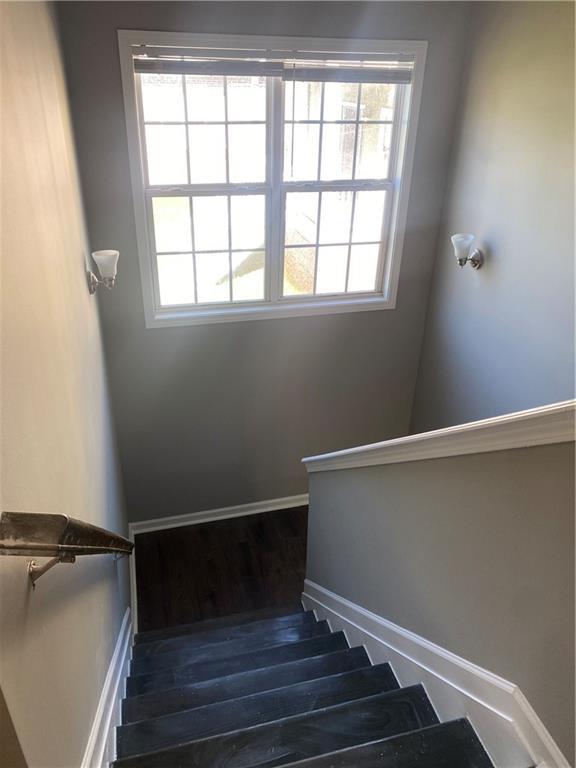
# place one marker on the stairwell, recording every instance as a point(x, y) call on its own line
point(277, 687)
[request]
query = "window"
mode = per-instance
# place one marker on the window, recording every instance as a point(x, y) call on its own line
point(270, 179)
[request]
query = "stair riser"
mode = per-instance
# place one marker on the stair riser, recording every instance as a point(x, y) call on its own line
point(267, 657)
point(298, 738)
point(254, 710)
point(198, 639)
point(243, 684)
point(205, 653)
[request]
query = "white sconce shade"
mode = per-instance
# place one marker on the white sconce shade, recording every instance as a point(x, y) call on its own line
point(462, 244)
point(107, 262)
point(462, 249)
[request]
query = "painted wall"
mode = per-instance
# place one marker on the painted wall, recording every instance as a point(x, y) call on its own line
point(57, 442)
point(502, 339)
point(474, 553)
point(211, 416)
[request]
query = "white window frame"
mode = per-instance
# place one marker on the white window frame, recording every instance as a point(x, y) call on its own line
point(274, 305)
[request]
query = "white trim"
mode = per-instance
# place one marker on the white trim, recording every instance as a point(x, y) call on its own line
point(211, 515)
point(537, 426)
point(100, 749)
point(385, 298)
point(196, 518)
point(510, 730)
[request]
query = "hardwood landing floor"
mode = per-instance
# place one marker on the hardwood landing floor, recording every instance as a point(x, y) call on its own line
point(209, 570)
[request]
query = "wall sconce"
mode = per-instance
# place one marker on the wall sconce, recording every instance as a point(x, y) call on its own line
point(107, 263)
point(464, 254)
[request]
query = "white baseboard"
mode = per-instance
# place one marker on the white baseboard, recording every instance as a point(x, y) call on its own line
point(196, 518)
point(508, 727)
point(211, 515)
point(100, 749)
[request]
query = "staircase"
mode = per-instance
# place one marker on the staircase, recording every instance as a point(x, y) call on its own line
point(276, 687)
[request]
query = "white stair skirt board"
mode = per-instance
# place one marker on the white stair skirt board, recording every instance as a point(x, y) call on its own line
point(510, 730)
point(101, 748)
point(196, 518)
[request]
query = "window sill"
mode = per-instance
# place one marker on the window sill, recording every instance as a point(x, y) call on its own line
point(165, 318)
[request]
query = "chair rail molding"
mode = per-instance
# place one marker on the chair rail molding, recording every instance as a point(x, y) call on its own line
point(509, 728)
point(538, 426)
point(100, 749)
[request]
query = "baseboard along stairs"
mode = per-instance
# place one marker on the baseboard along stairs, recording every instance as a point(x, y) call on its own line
point(277, 687)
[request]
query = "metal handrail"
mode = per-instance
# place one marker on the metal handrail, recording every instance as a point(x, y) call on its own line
point(57, 536)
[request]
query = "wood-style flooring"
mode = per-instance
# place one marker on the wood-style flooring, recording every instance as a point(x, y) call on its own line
point(201, 572)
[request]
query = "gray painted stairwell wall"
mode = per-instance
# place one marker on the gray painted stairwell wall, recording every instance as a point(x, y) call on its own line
point(502, 339)
point(211, 416)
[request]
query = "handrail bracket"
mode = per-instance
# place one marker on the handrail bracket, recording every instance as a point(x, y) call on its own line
point(35, 570)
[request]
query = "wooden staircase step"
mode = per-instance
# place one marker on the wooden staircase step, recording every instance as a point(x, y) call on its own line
point(153, 705)
point(253, 710)
point(448, 745)
point(223, 634)
point(266, 657)
point(300, 737)
point(227, 648)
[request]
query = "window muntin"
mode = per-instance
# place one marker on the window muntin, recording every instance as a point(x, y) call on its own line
point(361, 268)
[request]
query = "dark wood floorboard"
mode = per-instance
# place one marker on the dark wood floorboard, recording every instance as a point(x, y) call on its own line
point(214, 569)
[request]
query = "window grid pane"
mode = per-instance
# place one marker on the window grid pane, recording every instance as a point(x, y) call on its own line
point(202, 248)
point(354, 133)
point(347, 223)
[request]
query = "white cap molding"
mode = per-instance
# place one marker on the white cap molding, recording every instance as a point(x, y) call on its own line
point(524, 429)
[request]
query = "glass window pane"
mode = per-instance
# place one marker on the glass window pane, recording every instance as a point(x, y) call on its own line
point(248, 276)
point(368, 215)
point(205, 98)
point(335, 217)
point(210, 223)
point(301, 152)
point(248, 227)
point(162, 98)
point(298, 271)
point(172, 230)
point(166, 154)
point(377, 101)
point(246, 98)
point(340, 101)
point(301, 217)
point(207, 154)
point(176, 278)
point(363, 267)
point(302, 99)
point(331, 271)
point(337, 151)
point(373, 151)
point(247, 153)
point(213, 276)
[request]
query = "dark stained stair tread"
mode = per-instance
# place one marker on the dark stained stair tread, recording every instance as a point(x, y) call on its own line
point(226, 649)
point(300, 737)
point(255, 709)
point(266, 657)
point(153, 705)
point(449, 745)
point(223, 634)
point(235, 619)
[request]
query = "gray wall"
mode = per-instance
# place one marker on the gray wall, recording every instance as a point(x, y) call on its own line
point(502, 339)
point(214, 415)
point(58, 450)
point(475, 553)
